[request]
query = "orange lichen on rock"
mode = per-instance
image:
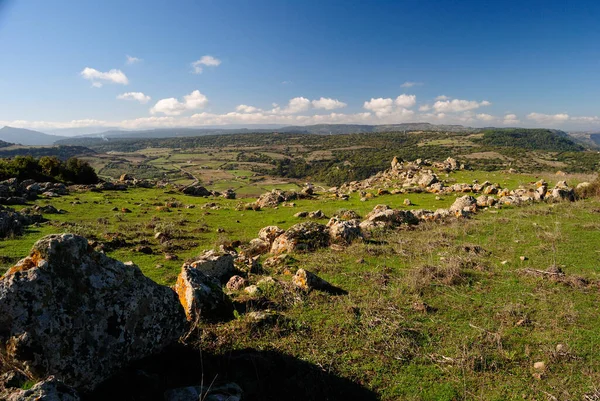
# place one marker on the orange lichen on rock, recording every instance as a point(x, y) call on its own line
point(26, 264)
point(181, 288)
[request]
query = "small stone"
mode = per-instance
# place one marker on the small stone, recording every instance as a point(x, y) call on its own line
point(252, 290)
point(539, 366)
point(504, 262)
point(236, 283)
point(523, 258)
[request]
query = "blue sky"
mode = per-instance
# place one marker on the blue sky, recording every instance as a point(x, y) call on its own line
point(512, 63)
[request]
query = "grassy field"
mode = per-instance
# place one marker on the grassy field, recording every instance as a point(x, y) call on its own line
point(453, 311)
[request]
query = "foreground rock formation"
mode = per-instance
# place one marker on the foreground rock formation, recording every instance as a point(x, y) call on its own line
point(79, 315)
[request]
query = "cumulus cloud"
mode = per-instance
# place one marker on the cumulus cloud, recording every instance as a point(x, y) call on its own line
point(295, 105)
point(243, 108)
point(380, 106)
point(174, 107)
point(98, 78)
point(139, 96)
point(205, 61)
point(510, 119)
point(442, 97)
point(548, 118)
point(424, 107)
point(485, 117)
point(132, 60)
point(410, 84)
point(328, 104)
point(406, 101)
point(458, 105)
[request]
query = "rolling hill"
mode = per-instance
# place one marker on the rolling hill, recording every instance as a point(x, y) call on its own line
point(27, 137)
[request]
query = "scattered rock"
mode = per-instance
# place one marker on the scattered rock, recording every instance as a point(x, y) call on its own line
point(307, 281)
point(343, 231)
point(200, 295)
point(306, 236)
point(236, 283)
point(269, 233)
point(215, 264)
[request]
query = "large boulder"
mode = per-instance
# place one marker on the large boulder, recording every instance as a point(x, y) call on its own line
point(215, 264)
point(79, 315)
point(274, 198)
point(200, 295)
point(306, 236)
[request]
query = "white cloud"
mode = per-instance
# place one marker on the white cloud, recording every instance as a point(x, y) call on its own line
point(425, 107)
point(406, 101)
point(139, 96)
point(548, 118)
point(442, 97)
point(458, 105)
point(380, 106)
point(286, 82)
point(393, 110)
point(584, 119)
point(173, 107)
point(295, 105)
point(132, 60)
point(328, 104)
point(511, 119)
point(242, 108)
point(485, 117)
point(97, 77)
point(410, 84)
point(208, 61)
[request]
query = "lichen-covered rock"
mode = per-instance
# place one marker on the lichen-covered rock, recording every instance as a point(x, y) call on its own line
point(306, 281)
point(256, 247)
point(343, 231)
point(69, 311)
point(50, 389)
point(464, 203)
point(306, 236)
point(383, 216)
point(201, 295)
point(269, 233)
point(236, 283)
point(215, 264)
point(274, 198)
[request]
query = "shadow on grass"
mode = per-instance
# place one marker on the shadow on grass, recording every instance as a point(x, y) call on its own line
point(263, 375)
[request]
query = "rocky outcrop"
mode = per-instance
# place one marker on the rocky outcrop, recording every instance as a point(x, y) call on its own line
point(13, 223)
point(215, 264)
point(382, 216)
point(200, 295)
point(306, 236)
point(464, 204)
point(79, 315)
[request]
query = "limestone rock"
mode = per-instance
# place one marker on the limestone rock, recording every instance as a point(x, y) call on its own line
point(306, 281)
point(215, 264)
point(464, 203)
point(236, 283)
point(306, 236)
point(269, 233)
point(69, 311)
point(343, 231)
point(200, 295)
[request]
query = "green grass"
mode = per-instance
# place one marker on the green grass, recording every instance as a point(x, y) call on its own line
point(490, 321)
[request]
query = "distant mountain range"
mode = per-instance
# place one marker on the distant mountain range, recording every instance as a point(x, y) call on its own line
point(27, 137)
